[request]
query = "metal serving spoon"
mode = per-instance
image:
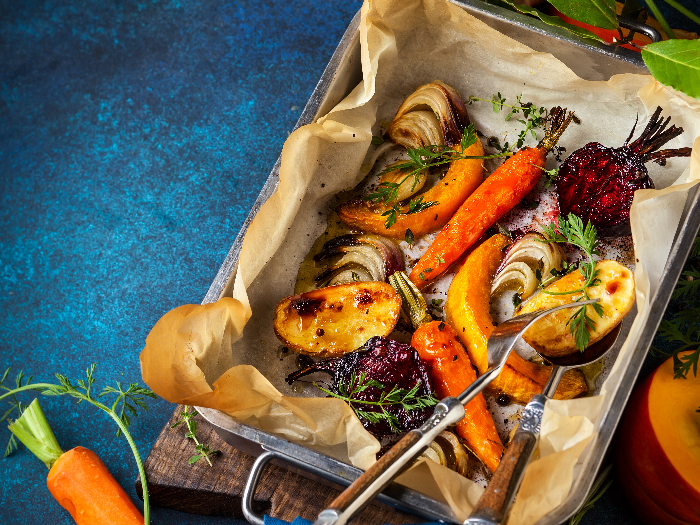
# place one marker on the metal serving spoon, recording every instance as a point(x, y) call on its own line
point(447, 412)
point(496, 501)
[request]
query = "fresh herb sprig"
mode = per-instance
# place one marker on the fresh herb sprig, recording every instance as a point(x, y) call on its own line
point(533, 117)
point(202, 449)
point(122, 409)
point(571, 230)
point(408, 399)
point(550, 175)
point(682, 328)
point(420, 159)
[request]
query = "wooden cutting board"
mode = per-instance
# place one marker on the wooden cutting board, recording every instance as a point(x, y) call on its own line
point(216, 491)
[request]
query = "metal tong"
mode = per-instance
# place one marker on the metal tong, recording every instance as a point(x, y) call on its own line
point(447, 412)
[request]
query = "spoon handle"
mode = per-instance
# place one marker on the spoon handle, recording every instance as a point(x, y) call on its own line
point(448, 412)
point(495, 502)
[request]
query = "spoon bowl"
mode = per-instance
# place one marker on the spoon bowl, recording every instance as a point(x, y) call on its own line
point(494, 504)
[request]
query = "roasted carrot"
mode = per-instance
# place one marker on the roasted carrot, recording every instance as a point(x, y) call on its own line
point(467, 310)
point(497, 195)
point(78, 479)
point(451, 372)
point(462, 178)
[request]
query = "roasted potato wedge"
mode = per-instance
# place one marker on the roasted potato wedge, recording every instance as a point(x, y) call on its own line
point(552, 335)
point(335, 320)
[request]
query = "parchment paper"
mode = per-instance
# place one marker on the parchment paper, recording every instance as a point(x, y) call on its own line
point(201, 355)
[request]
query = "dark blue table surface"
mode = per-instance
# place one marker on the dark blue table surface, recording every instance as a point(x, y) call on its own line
point(134, 138)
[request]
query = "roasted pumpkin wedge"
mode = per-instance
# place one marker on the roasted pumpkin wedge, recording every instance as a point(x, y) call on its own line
point(335, 320)
point(468, 311)
point(552, 336)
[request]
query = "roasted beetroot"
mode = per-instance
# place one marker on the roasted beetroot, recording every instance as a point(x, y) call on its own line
point(385, 373)
point(597, 183)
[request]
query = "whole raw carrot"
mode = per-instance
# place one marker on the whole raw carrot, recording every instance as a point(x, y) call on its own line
point(81, 483)
point(497, 195)
point(451, 372)
point(78, 479)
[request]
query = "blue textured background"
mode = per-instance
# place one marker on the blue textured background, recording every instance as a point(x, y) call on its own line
point(134, 138)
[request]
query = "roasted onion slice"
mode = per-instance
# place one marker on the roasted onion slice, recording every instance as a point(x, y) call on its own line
point(522, 259)
point(447, 106)
point(358, 257)
point(416, 129)
point(448, 451)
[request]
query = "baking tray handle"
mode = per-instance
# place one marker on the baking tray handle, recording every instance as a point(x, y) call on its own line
point(256, 472)
point(252, 483)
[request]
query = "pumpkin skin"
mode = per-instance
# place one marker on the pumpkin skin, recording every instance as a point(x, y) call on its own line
point(658, 449)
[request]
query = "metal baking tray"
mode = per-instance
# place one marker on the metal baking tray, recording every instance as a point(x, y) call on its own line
point(589, 60)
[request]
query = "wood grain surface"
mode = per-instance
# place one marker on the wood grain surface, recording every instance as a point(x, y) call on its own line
point(217, 490)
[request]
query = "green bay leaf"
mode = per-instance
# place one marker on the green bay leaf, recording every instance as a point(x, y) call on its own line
point(598, 13)
point(675, 63)
point(554, 21)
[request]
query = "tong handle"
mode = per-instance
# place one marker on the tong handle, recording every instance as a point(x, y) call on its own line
point(346, 498)
point(497, 499)
point(447, 412)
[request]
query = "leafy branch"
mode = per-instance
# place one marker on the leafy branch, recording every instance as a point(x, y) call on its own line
point(201, 449)
point(571, 230)
point(124, 406)
point(672, 62)
point(408, 399)
point(420, 159)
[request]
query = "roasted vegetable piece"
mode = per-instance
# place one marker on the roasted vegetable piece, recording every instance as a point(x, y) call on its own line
point(467, 310)
point(552, 336)
point(462, 178)
point(358, 257)
point(451, 372)
point(597, 183)
point(391, 364)
point(449, 452)
point(335, 320)
point(523, 257)
point(448, 108)
point(497, 195)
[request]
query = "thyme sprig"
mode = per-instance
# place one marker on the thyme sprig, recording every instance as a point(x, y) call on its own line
point(550, 175)
point(420, 159)
point(533, 117)
point(408, 399)
point(123, 407)
point(572, 231)
point(202, 449)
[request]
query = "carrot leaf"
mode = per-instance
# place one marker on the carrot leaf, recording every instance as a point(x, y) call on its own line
point(571, 230)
